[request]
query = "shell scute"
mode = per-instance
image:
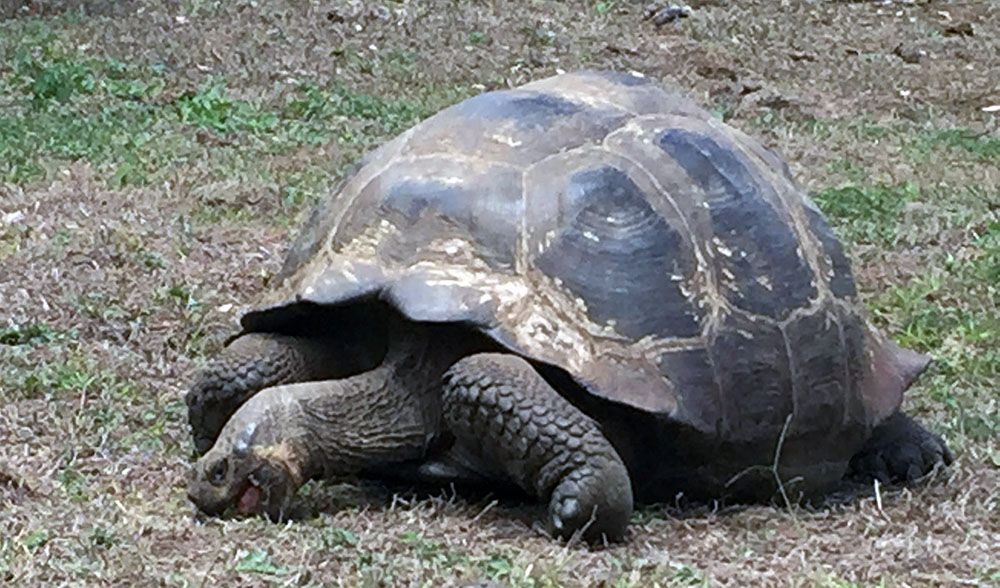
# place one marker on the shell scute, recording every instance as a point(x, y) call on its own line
point(819, 367)
point(625, 262)
point(518, 127)
point(430, 199)
point(757, 251)
point(692, 369)
point(836, 266)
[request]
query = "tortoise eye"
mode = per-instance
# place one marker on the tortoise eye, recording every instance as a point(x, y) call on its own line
point(217, 475)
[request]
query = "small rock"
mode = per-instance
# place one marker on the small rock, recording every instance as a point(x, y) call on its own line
point(750, 85)
point(620, 49)
point(661, 15)
point(718, 72)
point(960, 29)
point(909, 53)
point(10, 218)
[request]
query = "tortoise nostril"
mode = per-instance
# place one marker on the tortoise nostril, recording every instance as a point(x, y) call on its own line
point(218, 471)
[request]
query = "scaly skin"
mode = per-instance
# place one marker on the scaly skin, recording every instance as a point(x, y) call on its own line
point(499, 403)
point(287, 434)
point(253, 362)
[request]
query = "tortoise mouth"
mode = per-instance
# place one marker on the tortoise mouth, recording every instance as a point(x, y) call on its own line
point(248, 500)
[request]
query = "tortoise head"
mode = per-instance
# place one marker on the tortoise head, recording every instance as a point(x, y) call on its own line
point(251, 480)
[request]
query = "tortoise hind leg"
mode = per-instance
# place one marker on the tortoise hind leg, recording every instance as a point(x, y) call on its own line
point(504, 415)
point(899, 450)
point(249, 364)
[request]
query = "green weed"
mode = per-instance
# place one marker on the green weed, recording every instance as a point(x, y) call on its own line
point(431, 552)
point(69, 107)
point(498, 567)
point(72, 376)
point(210, 108)
point(35, 539)
point(685, 575)
point(339, 537)
point(604, 7)
point(58, 80)
point(31, 333)
point(102, 538)
point(259, 562)
point(74, 483)
point(150, 430)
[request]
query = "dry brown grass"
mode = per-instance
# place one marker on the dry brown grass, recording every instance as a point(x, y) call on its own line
point(112, 294)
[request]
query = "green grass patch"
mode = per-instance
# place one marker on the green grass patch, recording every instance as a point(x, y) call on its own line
point(73, 377)
point(149, 429)
point(107, 409)
point(73, 483)
point(61, 105)
point(966, 142)
point(35, 539)
point(867, 214)
point(604, 7)
point(314, 113)
point(338, 538)
point(952, 311)
point(432, 553)
point(958, 299)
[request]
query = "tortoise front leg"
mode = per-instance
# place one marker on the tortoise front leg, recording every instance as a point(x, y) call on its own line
point(502, 412)
point(251, 363)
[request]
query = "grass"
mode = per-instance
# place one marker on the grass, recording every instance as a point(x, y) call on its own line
point(27, 334)
point(155, 168)
point(867, 214)
point(951, 312)
point(949, 306)
point(65, 106)
point(967, 142)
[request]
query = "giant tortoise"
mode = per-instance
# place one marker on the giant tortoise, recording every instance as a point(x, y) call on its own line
point(586, 287)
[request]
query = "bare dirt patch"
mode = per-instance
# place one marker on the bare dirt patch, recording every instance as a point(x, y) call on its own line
point(120, 272)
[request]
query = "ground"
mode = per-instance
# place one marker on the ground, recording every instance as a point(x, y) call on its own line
point(155, 158)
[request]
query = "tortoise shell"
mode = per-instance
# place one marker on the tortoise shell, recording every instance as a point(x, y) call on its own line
point(600, 223)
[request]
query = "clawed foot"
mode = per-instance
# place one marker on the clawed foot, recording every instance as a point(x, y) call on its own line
point(900, 451)
point(662, 14)
point(578, 505)
point(566, 514)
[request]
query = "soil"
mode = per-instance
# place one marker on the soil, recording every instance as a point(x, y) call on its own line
point(135, 288)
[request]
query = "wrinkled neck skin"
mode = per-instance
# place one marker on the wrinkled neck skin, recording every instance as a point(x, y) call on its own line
point(338, 428)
